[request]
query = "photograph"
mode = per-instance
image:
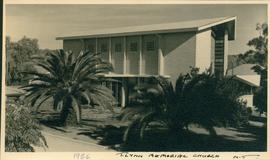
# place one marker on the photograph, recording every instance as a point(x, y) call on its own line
point(126, 78)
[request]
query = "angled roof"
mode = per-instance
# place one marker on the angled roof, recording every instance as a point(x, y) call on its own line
point(243, 69)
point(183, 26)
point(252, 80)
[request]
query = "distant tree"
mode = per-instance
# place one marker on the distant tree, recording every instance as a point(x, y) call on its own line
point(258, 55)
point(19, 57)
point(8, 60)
point(45, 52)
point(26, 47)
point(258, 52)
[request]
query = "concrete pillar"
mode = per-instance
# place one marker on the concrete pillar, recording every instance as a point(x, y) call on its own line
point(226, 47)
point(110, 50)
point(83, 45)
point(125, 55)
point(96, 47)
point(123, 93)
point(140, 52)
point(160, 56)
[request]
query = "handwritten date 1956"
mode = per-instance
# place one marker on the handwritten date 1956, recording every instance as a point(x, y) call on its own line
point(81, 156)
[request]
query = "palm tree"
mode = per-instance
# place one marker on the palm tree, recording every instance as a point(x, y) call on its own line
point(69, 80)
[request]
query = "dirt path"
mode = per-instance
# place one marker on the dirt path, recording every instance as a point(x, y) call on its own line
point(59, 142)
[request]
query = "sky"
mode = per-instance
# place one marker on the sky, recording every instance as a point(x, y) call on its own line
point(46, 22)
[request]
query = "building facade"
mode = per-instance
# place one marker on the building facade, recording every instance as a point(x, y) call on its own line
point(137, 53)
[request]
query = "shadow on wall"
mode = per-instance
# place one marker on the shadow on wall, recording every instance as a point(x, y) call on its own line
point(179, 51)
point(176, 41)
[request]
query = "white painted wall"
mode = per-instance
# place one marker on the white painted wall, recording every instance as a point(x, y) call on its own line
point(248, 99)
point(117, 57)
point(132, 57)
point(179, 53)
point(203, 50)
point(149, 58)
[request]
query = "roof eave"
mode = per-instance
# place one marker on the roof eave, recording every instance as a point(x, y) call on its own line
point(231, 35)
point(246, 82)
point(195, 29)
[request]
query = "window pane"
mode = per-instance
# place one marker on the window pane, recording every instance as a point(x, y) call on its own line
point(133, 47)
point(91, 48)
point(118, 47)
point(104, 48)
point(150, 46)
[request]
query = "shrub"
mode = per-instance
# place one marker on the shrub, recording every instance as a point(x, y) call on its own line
point(197, 98)
point(22, 130)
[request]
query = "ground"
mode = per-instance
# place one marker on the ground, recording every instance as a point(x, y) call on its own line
point(67, 142)
point(78, 138)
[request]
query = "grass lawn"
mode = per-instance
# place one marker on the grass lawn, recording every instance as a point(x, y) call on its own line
point(248, 138)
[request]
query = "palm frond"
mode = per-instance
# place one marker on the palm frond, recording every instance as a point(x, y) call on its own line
point(180, 82)
point(34, 96)
point(45, 65)
point(130, 129)
point(42, 100)
point(38, 74)
point(167, 90)
point(86, 61)
point(84, 95)
point(103, 96)
point(102, 67)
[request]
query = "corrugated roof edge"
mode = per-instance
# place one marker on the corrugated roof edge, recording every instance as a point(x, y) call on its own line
point(189, 29)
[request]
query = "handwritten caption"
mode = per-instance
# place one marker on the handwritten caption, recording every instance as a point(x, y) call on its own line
point(182, 156)
point(85, 156)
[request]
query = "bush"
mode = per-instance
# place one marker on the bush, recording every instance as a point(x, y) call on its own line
point(198, 98)
point(22, 130)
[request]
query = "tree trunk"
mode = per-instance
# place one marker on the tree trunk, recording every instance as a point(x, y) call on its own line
point(67, 115)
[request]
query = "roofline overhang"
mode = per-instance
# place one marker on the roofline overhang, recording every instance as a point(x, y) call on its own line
point(134, 33)
point(245, 81)
point(195, 29)
point(231, 32)
point(217, 23)
point(114, 75)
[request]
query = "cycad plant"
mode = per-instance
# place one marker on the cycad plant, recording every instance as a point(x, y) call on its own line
point(196, 98)
point(69, 80)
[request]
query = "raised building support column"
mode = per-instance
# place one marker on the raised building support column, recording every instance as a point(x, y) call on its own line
point(123, 93)
point(140, 56)
point(160, 56)
point(226, 48)
point(83, 45)
point(110, 50)
point(125, 55)
point(96, 47)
